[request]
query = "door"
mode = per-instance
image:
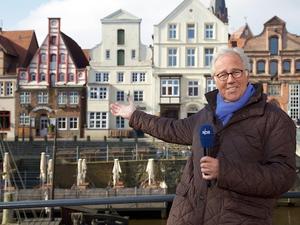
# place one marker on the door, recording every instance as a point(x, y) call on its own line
point(44, 126)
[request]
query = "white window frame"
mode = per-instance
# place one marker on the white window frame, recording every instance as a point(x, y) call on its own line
point(74, 98)
point(33, 76)
point(62, 98)
point(24, 119)
point(190, 57)
point(43, 97)
point(120, 96)
point(190, 28)
point(193, 88)
point(73, 123)
point(209, 31)
point(9, 88)
point(102, 77)
point(138, 96)
point(172, 57)
point(120, 77)
point(42, 76)
point(294, 101)
point(1, 88)
point(172, 31)
point(208, 56)
point(102, 93)
point(170, 87)
point(93, 93)
point(25, 97)
point(210, 84)
point(62, 123)
point(120, 122)
point(138, 77)
point(98, 120)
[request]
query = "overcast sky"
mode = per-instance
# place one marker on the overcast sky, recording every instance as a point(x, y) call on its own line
point(80, 19)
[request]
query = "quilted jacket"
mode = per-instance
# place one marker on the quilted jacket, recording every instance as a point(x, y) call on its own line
point(256, 153)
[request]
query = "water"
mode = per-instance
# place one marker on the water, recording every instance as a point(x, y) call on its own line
point(282, 216)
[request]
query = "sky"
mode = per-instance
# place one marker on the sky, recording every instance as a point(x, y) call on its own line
point(81, 19)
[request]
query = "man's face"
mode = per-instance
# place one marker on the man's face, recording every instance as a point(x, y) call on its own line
point(232, 88)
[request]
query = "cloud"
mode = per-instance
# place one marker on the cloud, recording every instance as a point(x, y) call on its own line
point(81, 20)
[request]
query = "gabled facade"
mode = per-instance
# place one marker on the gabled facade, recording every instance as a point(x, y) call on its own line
point(239, 37)
point(275, 62)
point(120, 66)
point(51, 89)
point(184, 44)
point(16, 49)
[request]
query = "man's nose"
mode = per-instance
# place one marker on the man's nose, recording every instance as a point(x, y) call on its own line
point(230, 78)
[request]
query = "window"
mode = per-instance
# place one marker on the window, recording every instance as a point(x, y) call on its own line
point(32, 76)
point(97, 120)
point(208, 56)
point(294, 101)
point(8, 89)
point(62, 123)
point(42, 77)
point(120, 96)
point(43, 58)
point(209, 31)
point(102, 77)
point(251, 66)
point(53, 40)
point(297, 66)
point(62, 98)
point(73, 98)
point(138, 77)
point(73, 123)
point(24, 119)
point(274, 89)
point(172, 57)
point(107, 54)
point(191, 31)
point(52, 61)
point(121, 58)
point(1, 88)
point(172, 31)
point(121, 37)
point(133, 54)
point(4, 120)
point(61, 77)
point(98, 93)
point(120, 122)
point(93, 93)
point(273, 68)
point(190, 57)
point(71, 77)
point(120, 77)
point(210, 84)
point(169, 87)
point(24, 97)
point(286, 66)
point(42, 98)
point(102, 93)
point(233, 44)
point(62, 58)
point(193, 88)
point(138, 96)
point(22, 76)
point(273, 45)
point(261, 67)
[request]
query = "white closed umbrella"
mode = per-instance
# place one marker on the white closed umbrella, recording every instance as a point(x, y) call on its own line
point(150, 170)
point(116, 171)
point(79, 171)
point(43, 168)
point(50, 172)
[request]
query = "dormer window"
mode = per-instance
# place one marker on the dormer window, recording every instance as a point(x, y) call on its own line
point(273, 45)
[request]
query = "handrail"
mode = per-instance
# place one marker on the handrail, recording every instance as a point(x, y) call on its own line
point(102, 201)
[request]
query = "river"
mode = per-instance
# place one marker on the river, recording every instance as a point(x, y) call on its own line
point(283, 215)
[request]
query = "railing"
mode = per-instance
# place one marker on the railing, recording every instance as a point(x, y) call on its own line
point(102, 201)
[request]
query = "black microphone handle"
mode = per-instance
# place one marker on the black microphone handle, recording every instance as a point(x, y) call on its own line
point(206, 153)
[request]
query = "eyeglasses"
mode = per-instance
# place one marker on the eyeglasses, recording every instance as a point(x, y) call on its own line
point(224, 75)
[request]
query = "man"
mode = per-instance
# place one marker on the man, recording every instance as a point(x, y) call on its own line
point(253, 159)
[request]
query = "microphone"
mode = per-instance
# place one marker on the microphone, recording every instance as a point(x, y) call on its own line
point(206, 134)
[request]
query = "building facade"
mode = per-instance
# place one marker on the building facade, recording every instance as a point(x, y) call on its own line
point(16, 49)
point(184, 44)
point(51, 89)
point(120, 67)
point(275, 62)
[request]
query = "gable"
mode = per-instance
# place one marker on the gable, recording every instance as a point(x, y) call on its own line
point(274, 21)
point(120, 15)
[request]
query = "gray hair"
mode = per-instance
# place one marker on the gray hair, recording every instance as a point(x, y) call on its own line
point(227, 51)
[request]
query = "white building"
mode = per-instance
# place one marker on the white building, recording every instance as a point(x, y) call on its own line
point(120, 66)
point(184, 43)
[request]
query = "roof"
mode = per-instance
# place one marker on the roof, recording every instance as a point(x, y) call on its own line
point(24, 43)
point(7, 46)
point(120, 15)
point(75, 51)
point(275, 20)
point(241, 32)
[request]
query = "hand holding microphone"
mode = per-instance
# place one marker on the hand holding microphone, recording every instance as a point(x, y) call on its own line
point(209, 165)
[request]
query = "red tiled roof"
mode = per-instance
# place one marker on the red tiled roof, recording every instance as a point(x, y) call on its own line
point(75, 51)
point(7, 46)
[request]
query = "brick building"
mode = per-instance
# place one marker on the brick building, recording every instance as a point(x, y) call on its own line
point(16, 49)
point(51, 91)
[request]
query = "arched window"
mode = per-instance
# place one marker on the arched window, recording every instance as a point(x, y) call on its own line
point(274, 68)
point(42, 76)
point(23, 76)
point(286, 66)
point(261, 66)
point(121, 37)
point(71, 77)
point(52, 61)
point(33, 76)
point(43, 58)
point(61, 77)
point(297, 66)
point(62, 58)
point(273, 45)
point(121, 56)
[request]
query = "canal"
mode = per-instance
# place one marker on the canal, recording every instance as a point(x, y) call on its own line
point(283, 215)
